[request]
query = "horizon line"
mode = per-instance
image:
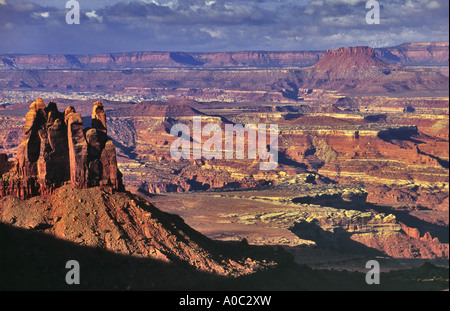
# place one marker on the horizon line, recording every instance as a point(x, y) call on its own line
point(235, 51)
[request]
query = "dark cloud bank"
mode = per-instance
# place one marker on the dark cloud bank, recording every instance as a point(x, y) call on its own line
point(216, 25)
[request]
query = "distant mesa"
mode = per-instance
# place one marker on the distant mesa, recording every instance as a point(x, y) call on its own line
point(56, 150)
point(360, 70)
point(352, 61)
point(350, 69)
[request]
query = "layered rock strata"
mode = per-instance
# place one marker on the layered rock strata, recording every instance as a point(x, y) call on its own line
point(56, 149)
point(407, 54)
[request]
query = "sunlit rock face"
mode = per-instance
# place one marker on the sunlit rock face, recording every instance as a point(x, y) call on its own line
point(56, 149)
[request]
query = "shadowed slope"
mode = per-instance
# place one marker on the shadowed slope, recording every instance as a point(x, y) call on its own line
point(125, 224)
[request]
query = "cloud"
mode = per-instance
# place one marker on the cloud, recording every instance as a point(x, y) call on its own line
point(214, 25)
point(346, 2)
point(40, 14)
point(213, 33)
point(433, 5)
point(93, 16)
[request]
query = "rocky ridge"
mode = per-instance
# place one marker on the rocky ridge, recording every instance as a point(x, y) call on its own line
point(125, 224)
point(414, 54)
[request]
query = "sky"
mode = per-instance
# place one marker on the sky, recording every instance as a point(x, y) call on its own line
point(108, 26)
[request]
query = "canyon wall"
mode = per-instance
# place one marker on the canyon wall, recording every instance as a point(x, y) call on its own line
point(408, 54)
point(417, 54)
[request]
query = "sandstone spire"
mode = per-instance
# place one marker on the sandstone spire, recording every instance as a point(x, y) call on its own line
point(56, 149)
point(78, 150)
point(98, 117)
